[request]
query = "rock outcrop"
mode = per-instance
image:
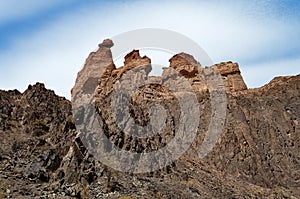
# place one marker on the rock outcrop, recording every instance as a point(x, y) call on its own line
point(256, 156)
point(232, 77)
point(36, 129)
point(88, 77)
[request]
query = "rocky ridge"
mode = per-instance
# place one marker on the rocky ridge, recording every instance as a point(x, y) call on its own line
point(256, 156)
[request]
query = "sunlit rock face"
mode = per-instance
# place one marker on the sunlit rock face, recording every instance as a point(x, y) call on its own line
point(43, 155)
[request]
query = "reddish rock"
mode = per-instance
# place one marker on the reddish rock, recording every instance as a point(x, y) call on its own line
point(256, 156)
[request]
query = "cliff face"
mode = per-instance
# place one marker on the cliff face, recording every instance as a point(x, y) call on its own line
point(256, 156)
point(232, 77)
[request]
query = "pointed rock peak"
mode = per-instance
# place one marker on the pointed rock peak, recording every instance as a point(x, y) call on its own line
point(134, 57)
point(14, 92)
point(37, 86)
point(37, 92)
point(108, 43)
point(95, 65)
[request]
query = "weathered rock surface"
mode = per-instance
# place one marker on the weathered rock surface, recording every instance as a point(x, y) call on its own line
point(232, 77)
point(256, 156)
point(88, 77)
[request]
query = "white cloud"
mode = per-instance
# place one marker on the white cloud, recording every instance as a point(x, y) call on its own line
point(227, 31)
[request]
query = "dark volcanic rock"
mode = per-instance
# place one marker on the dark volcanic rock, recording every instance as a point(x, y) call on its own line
point(256, 156)
point(36, 134)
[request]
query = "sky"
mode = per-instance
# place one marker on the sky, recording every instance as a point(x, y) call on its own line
point(48, 41)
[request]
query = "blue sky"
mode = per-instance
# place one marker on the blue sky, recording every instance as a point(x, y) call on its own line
point(48, 41)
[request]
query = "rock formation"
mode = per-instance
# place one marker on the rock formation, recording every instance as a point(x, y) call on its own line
point(256, 156)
